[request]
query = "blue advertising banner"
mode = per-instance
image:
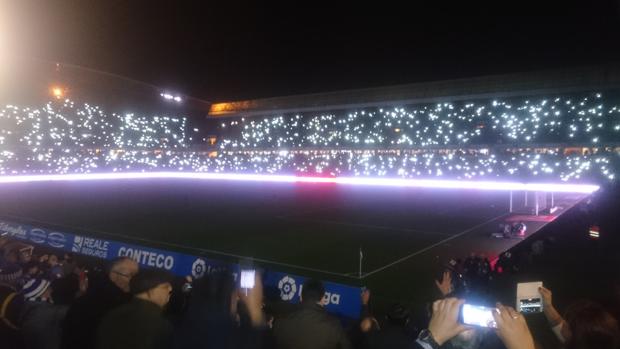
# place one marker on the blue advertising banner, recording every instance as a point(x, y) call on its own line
point(340, 299)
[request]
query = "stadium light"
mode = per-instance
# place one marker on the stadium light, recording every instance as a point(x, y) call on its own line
point(594, 232)
point(169, 97)
point(363, 181)
point(57, 91)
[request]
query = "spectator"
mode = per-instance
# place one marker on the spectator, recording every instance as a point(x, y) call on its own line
point(591, 326)
point(10, 273)
point(586, 324)
point(443, 325)
point(25, 254)
point(506, 263)
point(36, 290)
point(367, 325)
point(56, 270)
point(139, 323)
point(41, 324)
point(512, 328)
point(86, 312)
point(213, 318)
point(445, 286)
point(31, 270)
point(10, 270)
point(11, 305)
point(394, 333)
point(68, 264)
point(310, 326)
point(179, 299)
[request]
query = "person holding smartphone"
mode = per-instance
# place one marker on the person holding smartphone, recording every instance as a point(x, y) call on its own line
point(511, 327)
point(585, 325)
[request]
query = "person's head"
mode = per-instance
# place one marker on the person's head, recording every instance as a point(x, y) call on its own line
point(312, 292)
point(31, 269)
point(37, 290)
point(65, 289)
point(121, 271)
point(152, 285)
point(68, 257)
point(25, 254)
point(591, 326)
point(369, 324)
point(398, 315)
point(53, 260)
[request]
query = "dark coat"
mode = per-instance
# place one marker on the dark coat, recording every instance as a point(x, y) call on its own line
point(138, 324)
point(206, 326)
point(41, 325)
point(310, 327)
point(86, 313)
point(389, 337)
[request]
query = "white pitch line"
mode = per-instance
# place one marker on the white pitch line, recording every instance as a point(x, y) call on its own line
point(430, 247)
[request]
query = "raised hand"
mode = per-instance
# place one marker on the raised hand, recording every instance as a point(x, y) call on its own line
point(546, 296)
point(445, 286)
point(512, 328)
point(444, 323)
point(365, 296)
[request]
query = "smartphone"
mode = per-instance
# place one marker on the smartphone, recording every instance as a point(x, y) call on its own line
point(186, 288)
point(530, 305)
point(529, 299)
point(477, 315)
point(247, 278)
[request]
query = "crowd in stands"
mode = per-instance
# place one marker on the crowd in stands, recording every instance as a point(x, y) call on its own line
point(51, 301)
point(578, 119)
point(63, 137)
point(456, 164)
point(537, 138)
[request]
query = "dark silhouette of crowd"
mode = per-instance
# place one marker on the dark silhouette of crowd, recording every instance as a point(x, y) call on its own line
point(53, 301)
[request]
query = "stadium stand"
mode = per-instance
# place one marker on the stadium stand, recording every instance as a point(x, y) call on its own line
point(564, 138)
point(50, 301)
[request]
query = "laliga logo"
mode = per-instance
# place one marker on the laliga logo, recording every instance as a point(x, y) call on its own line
point(198, 268)
point(287, 288)
point(331, 298)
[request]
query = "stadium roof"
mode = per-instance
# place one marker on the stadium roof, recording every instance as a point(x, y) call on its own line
point(494, 86)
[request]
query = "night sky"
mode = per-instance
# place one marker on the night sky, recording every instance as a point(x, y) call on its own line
point(226, 50)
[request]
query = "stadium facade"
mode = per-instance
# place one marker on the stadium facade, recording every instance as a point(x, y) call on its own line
point(528, 125)
point(549, 126)
point(554, 82)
